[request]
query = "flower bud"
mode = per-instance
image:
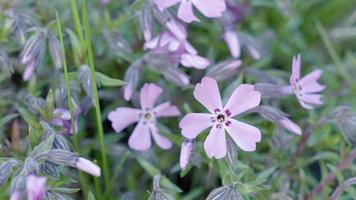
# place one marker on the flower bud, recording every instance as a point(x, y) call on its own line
point(87, 166)
point(186, 153)
point(36, 187)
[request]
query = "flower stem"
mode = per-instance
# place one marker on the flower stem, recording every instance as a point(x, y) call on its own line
point(69, 97)
point(95, 96)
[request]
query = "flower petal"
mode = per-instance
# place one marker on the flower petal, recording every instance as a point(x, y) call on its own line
point(233, 43)
point(177, 29)
point(210, 8)
point(314, 99)
point(122, 117)
point(207, 93)
point(185, 12)
point(242, 99)
point(309, 82)
point(191, 60)
point(215, 143)
point(163, 4)
point(244, 135)
point(160, 140)
point(296, 66)
point(149, 94)
point(140, 139)
point(290, 126)
point(166, 110)
point(194, 123)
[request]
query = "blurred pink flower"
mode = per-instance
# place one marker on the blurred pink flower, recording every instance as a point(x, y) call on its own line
point(307, 88)
point(233, 43)
point(209, 8)
point(15, 196)
point(87, 166)
point(220, 118)
point(186, 153)
point(63, 120)
point(36, 187)
point(179, 49)
point(146, 117)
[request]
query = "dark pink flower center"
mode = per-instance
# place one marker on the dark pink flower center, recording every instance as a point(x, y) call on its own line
point(221, 119)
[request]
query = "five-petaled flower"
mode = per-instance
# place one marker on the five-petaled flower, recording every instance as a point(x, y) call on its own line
point(221, 118)
point(307, 88)
point(179, 50)
point(146, 117)
point(209, 8)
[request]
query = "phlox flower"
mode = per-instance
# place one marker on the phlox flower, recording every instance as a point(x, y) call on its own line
point(221, 118)
point(36, 187)
point(209, 8)
point(178, 48)
point(306, 89)
point(146, 117)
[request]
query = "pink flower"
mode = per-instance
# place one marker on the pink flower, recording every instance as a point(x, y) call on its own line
point(221, 118)
point(146, 117)
point(209, 8)
point(63, 120)
point(307, 88)
point(36, 187)
point(180, 50)
point(87, 166)
point(186, 153)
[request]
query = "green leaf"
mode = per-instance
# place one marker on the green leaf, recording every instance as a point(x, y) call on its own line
point(44, 146)
point(66, 190)
point(7, 118)
point(28, 117)
point(153, 171)
point(91, 195)
point(107, 81)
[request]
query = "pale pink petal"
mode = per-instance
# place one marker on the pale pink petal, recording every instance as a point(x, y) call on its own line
point(189, 48)
point(128, 90)
point(177, 29)
point(186, 153)
point(309, 82)
point(244, 135)
point(153, 43)
point(242, 99)
point(314, 99)
point(305, 105)
point(122, 117)
point(166, 110)
point(210, 8)
point(207, 93)
point(140, 139)
point(29, 70)
point(290, 126)
point(215, 143)
point(160, 140)
point(194, 123)
point(233, 43)
point(149, 94)
point(296, 66)
point(191, 60)
point(163, 4)
point(185, 12)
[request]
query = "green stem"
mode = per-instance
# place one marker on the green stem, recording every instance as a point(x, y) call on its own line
point(332, 51)
point(95, 95)
point(69, 97)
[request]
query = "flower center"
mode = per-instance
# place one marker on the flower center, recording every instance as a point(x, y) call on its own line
point(220, 118)
point(148, 116)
